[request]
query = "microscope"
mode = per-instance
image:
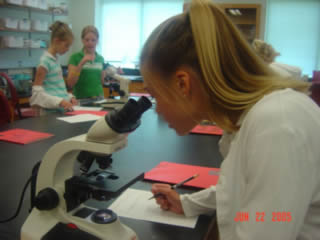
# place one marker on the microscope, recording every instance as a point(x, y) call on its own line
point(117, 83)
point(62, 188)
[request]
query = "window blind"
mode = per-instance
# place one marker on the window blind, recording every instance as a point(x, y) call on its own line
point(126, 24)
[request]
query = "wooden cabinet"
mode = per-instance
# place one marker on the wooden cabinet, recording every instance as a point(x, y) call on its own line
point(134, 87)
point(246, 17)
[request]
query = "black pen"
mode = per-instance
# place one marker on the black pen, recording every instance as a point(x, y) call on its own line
point(176, 185)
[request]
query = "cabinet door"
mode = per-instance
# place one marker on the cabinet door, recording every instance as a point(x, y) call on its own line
point(136, 87)
point(246, 17)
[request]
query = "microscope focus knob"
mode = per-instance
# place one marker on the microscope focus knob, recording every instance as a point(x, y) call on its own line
point(47, 199)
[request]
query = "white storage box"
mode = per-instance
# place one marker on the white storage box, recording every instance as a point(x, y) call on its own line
point(24, 24)
point(36, 25)
point(45, 26)
point(17, 2)
point(43, 4)
point(11, 42)
point(19, 42)
point(31, 3)
point(35, 43)
point(9, 23)
point(26, 43)
point(8, 41)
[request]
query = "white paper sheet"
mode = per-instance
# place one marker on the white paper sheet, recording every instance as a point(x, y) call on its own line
point(135, 204)
point(79, 108)
point(80, 118)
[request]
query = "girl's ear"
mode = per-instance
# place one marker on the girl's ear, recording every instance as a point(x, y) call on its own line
point(183, 82)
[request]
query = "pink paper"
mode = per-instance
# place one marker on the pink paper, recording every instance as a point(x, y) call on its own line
point(23, 136)
point(207, 129)
point(99, 113)
point(173, 173)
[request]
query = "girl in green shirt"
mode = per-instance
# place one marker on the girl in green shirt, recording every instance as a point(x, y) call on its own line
point(85, 69)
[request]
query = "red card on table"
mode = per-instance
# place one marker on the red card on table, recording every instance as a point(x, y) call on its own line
point(23, 136)
point(207, 129)
point(176, 172)
point(99, 113)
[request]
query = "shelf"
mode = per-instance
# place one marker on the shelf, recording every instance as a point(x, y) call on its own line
point(14, 6)
point(49, 12)
point(22, 31)
point(22, 48)
point(243, 19)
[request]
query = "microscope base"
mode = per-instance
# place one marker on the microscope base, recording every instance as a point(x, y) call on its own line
point(48, 225)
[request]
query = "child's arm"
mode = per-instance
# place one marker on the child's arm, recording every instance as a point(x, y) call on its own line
point(74, 70)
point(103, 76)
point(41, 98)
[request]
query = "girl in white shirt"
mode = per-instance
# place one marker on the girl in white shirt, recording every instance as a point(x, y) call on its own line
point(198, 67)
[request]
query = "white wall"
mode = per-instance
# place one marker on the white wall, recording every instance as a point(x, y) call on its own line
point(81, 14)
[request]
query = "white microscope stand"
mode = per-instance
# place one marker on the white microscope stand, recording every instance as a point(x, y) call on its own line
point(57, 166)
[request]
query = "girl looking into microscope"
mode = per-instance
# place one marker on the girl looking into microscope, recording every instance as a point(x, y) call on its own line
point(198, 66)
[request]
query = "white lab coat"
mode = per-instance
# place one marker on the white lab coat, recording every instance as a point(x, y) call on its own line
point(272, 166)
point(286, 70)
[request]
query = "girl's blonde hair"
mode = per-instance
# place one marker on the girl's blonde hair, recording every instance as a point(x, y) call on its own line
point(61, 31)
point(265, 50)
point(89, 29)
point(230, 73)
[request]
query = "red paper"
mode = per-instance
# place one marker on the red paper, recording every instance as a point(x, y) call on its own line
point(23, 136)
point(140, 94)
point(99, 113)
point(207, 129)
point(175, 172)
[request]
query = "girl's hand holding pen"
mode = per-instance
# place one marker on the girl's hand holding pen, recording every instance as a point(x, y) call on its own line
point(169, 199)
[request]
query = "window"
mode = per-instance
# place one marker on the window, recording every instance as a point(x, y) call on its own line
point(126, 24)
point(293, 28)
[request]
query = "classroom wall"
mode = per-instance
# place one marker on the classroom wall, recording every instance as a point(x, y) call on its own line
point(82, 13)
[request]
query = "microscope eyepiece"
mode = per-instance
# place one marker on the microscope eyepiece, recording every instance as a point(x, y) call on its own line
point(127, 118)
